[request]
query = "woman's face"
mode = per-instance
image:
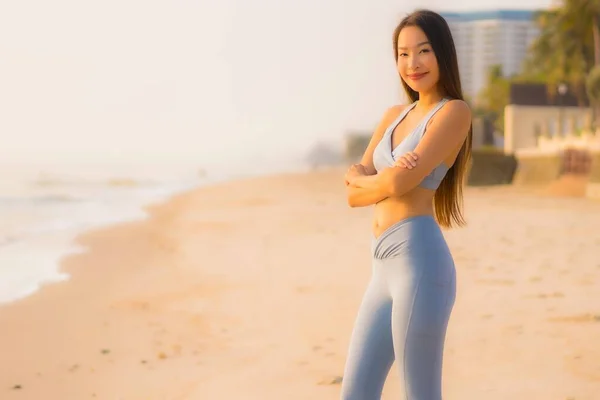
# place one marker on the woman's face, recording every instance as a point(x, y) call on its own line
point(417, 64)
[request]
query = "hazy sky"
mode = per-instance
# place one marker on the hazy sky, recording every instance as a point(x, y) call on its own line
point(473, 5)
point(196, 80)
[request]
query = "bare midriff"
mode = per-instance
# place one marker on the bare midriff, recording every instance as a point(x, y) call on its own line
point(418, 201)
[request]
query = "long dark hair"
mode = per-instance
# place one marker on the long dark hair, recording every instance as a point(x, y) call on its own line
point(448, 198)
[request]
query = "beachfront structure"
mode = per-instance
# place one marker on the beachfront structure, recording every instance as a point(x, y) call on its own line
point(487, 38)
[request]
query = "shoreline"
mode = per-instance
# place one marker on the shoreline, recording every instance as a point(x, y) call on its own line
point(241, 289)
point(81, 240)
point(127, 201)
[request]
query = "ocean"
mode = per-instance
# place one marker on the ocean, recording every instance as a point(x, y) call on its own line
point(44, 208)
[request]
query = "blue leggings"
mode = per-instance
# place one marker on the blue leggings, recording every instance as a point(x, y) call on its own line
point(404, 313)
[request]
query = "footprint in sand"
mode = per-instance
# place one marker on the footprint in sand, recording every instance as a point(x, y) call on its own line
point(544, 295)
point(303, 289)
point(586, 280)
point(518, 329)
point(572, 257)
point(577, 365)
point(319, 349)
point(580, 318)
point(502, 282)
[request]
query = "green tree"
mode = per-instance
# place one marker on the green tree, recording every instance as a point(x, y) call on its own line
point(494, 97)
point(592, 86)
point(567, 47)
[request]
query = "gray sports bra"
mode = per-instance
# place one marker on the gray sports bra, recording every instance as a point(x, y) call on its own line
point(384, 156)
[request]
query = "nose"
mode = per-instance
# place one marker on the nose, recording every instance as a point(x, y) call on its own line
point(413, 63)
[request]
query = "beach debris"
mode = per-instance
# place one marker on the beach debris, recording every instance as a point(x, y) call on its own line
point(162, 355)
point(17, 387)
point(335, 380)
point(105, 351)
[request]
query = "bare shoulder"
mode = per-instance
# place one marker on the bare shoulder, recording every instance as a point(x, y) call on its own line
point(456, 111)
point(390, 114)
point(459, 106)
point(394, 111)
point(453, 118)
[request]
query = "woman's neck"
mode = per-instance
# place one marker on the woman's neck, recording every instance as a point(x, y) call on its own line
point(428, 100)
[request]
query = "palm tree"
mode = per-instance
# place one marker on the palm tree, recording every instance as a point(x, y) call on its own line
point(568, 46)
point(593, 91)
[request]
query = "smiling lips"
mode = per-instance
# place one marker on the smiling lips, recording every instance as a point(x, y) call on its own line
point(416, 77)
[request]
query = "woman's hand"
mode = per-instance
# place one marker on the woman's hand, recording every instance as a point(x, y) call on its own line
point(354, 170)
point(407, 160)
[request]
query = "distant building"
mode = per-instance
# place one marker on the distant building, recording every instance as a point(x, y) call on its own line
point(486, 38)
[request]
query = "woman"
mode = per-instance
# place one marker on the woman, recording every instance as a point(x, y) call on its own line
point(412, 171)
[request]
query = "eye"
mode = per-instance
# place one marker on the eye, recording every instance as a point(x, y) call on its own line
point(425, 51)
point(402, 55)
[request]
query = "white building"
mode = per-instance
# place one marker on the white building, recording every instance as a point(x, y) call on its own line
point(487, 38)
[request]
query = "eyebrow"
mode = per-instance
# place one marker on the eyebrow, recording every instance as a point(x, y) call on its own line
point(418, 45)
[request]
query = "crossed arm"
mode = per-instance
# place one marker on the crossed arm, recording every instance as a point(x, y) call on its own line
point(358, 195)
point(363, 196)
point(445, 133)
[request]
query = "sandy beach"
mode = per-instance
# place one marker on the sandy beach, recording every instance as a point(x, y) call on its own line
point(249, 289)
